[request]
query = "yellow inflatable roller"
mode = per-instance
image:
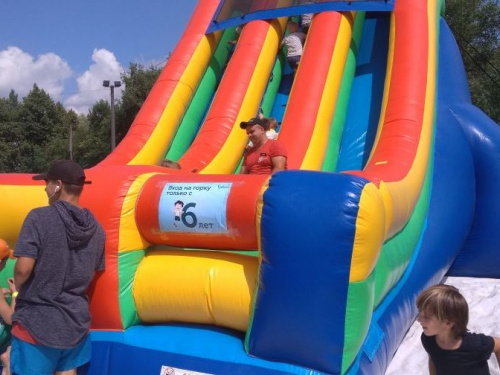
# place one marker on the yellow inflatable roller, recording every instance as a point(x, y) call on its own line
point(196, 286)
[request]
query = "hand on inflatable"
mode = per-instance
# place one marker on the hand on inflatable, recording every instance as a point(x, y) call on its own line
point(12, 286)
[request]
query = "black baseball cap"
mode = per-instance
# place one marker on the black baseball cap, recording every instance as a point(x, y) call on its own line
point(67, 171)
point(255, 121)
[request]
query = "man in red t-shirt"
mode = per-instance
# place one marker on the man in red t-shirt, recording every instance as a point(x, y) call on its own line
point(266, 156)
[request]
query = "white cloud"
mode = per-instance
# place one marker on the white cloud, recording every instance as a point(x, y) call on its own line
point(19, 71)
point(90, 89)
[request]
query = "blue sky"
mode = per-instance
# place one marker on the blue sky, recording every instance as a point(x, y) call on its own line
point(68, 47)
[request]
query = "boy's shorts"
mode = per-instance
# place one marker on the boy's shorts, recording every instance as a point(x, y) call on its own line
point(26, 358)
point(4, 337)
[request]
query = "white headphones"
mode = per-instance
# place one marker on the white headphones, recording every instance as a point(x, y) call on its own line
point(55, 191)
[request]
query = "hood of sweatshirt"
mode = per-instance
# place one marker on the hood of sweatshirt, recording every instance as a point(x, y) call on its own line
point(80, 223)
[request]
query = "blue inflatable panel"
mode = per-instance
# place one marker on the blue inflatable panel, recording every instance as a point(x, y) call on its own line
point(363, 111)
point(271, 11)
point(480, 256)
point(308, 226)
point(451, 208)
point(145, 349)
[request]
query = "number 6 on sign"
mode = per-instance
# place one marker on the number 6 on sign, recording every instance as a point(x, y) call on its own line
point(185, 214)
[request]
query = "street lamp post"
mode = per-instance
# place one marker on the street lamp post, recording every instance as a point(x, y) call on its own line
point(112, 86)
point(71, 140)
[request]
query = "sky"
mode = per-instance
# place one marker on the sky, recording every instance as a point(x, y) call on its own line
point(68, 47)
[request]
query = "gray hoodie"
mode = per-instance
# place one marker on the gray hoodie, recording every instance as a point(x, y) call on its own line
point(68, 245)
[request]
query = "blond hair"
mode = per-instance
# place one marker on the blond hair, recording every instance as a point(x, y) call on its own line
point(447, 304)
point(273, 123)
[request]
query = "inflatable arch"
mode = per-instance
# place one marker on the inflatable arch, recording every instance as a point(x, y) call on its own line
point(392, 183)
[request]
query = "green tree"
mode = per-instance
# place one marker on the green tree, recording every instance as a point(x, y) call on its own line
point(42, 129)
point(92, 136)
point(57, 147)
point(10, 133)
point(476, 27)
point(12, 145)
point(9, 107)
point(40, 116)
point(33, 133)
point(138, 82)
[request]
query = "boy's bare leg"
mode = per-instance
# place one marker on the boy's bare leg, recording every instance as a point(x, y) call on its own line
point(67, 372)
point(5, 358)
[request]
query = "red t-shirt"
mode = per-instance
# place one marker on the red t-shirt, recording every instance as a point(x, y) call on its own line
point(258, 161)
point(22, 334)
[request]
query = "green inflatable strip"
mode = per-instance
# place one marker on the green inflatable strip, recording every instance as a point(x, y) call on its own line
point(7, 272)
point(127, 268)
point(337, 127)
point(359, 309)
point(273, 85)
point(194, 115)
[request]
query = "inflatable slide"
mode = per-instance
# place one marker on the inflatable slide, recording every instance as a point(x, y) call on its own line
point(391, 184)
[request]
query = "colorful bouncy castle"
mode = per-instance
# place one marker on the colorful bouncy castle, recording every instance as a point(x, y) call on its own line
point(391, 184)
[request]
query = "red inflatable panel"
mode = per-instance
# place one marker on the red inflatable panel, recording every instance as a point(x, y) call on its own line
point(225, 224)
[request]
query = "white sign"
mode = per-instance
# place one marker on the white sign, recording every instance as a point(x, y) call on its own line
point(167, 370)
point(194, 207)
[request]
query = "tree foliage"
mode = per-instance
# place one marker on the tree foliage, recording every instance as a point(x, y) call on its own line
point(476, 27)
point(36, 131)
point(138, 82)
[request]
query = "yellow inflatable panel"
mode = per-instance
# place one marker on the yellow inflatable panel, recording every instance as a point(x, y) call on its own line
point(130, 238)
point(370, 233)
point(16, 202)
point(196, 287)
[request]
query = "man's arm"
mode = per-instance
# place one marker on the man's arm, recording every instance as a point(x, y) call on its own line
point(279, 163)
point(22, 270)
point(243, 169)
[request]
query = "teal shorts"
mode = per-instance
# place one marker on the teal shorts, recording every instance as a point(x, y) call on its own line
point(4, 337)
point(26, 358)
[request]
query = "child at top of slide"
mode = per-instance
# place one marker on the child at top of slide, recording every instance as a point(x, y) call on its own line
point(294, 43)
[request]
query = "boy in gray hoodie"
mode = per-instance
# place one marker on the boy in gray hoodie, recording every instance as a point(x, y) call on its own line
point(60, 248)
